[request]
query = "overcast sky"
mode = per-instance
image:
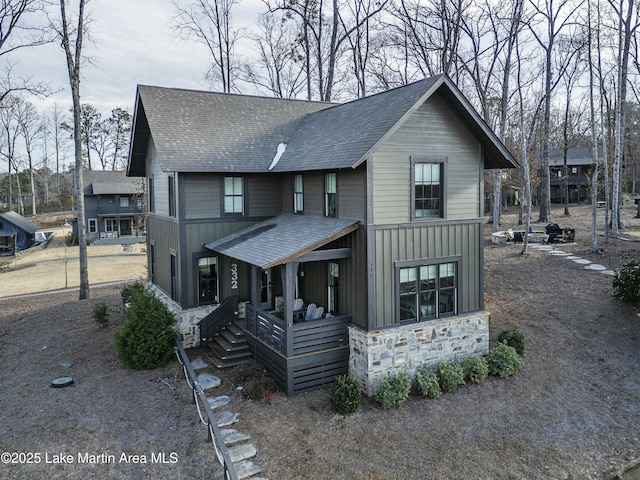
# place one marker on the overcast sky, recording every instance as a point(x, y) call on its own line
point(132, 43)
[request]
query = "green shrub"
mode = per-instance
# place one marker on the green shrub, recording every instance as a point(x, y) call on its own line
point(475, 369)
point(513, 338)
point(450, 376)
point(101, 314)
point(504, 361)
point(346, 395)
point(147, 337)
point(427, 383)
point(129, 292)
point(626, 282)
point(394, 391)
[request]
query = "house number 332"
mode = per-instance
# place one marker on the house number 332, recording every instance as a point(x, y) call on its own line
point(234, 276)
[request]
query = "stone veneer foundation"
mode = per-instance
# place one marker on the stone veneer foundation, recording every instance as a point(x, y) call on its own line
point(188, 319)
point(379, 354)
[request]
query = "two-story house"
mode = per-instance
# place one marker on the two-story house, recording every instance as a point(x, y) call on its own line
point(114, 204)
point(579, 164)
point(352, 233)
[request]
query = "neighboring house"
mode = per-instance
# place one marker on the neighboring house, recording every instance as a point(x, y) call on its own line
point(579, 163)
point(113, 204)
point(16, 233)
point(371, 211)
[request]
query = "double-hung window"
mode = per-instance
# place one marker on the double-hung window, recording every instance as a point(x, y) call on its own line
point(171, 189)
point(298, 194)
point(427, 291)
point(330, 195)
point(233, 196)
point(428, 188)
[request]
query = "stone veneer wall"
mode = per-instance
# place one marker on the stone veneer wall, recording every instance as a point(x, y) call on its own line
point(382, 353)
point(187, 319)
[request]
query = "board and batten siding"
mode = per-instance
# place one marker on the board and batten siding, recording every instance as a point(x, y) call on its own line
point(163, 235)
point(264, 195)
point(201, 195)
point(418, 242)
point(160, 181)
point(432, 131)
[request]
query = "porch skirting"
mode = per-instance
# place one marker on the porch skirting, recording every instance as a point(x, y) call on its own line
point(379, 354)
point(187, 319)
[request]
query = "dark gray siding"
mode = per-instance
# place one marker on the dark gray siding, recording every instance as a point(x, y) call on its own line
point(313, 193)
point(432, 241)
point(163, 234)
point(432, 131)
point(352, 193)
point(201, 195)
point(264, 195)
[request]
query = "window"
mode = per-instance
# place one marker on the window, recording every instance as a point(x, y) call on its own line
point(207, 280)
point(574, 170)
point(124, 202)
point(330, 195)
point(93, 225)
point(298, 194)
point(150, 196)
point(174, 277)
point(333, 284)
point(427, 184)
point(172, 197)
point(152, 261)
point(233, 196)
point(110, 225)
point(427, 291)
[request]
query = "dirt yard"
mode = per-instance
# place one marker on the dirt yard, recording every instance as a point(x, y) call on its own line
point(573, 412)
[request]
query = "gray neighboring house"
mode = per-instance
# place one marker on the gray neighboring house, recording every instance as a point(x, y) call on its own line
point(16, 233)
point(579, 162)
point(349, 237)
point(114, 204)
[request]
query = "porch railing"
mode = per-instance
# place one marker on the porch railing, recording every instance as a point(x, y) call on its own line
point(219, 318)
point(307, 336)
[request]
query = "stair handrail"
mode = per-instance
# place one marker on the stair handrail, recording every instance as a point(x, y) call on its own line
point(212, 425)
point(219, 318)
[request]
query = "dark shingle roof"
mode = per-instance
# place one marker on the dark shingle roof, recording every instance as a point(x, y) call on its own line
point(214, 132)
point(99, 182)
point(282, 239)
point(19, 221)
point(575, 156)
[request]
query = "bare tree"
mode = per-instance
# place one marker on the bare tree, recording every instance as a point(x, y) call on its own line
point(11, 133)
point(280, 67)
point(71, 39)
point(31, 129)
point(119, 127)
point(209, 22)
point(53, 121)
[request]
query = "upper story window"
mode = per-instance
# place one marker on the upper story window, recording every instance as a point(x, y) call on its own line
point(172, 197)
point(298, 194)
point(427, 291)
point(150, 197)
point(233, 196)
point(428, 189)
point(330, 195)
point(124, 202)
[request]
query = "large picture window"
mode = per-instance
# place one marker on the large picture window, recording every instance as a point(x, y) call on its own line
point(427, 291)
point(233, 196)
point(207, 280)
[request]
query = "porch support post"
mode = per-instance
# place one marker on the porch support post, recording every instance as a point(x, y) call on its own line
point(289, 292)
point(255, 296)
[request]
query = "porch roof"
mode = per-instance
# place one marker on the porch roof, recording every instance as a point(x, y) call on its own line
point(282, 239)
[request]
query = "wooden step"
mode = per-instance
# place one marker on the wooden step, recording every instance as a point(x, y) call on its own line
point(235, 329)
point(231, 337)
point(225, 352)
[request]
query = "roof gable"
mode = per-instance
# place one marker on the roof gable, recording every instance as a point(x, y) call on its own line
point(99, 182)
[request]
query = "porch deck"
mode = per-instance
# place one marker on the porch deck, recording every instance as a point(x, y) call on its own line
point(302, 356)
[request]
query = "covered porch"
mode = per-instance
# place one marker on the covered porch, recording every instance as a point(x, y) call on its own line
point(304, 344)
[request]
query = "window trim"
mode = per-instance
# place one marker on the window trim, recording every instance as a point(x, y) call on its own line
point(333, 288)
point(150, 196)
point(419, 160)
point(171, 195)
point(90, 222)
point(326, 193)
point(242, 196)
point(124, 201)
point(457, 260)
